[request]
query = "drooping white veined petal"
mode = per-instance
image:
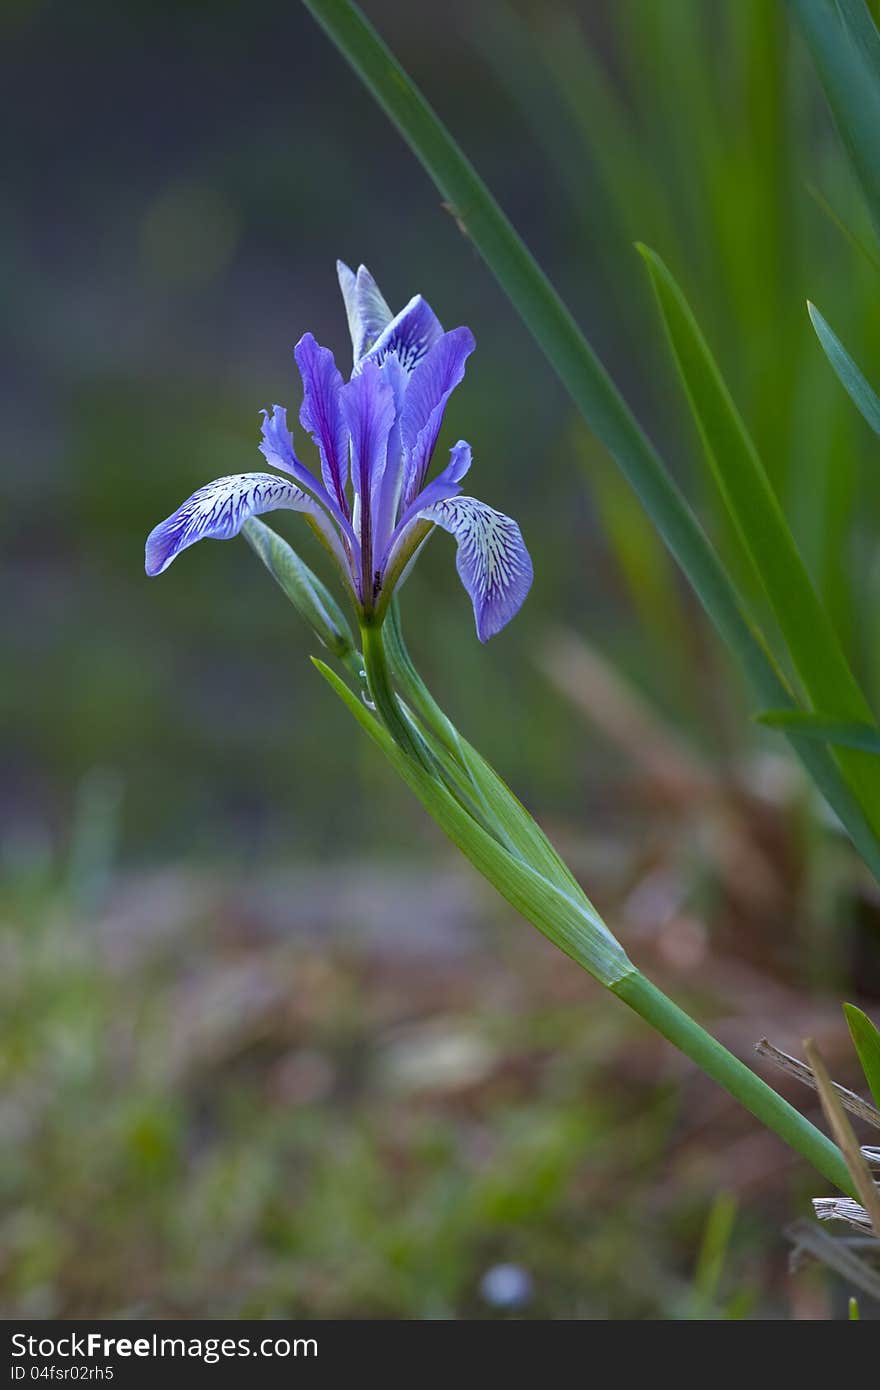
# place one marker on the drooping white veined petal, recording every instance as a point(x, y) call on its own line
point(366, 310)
point(219, 510)
point(492, 561)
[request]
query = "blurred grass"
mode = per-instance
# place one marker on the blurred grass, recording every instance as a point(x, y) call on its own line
point(212, 1108)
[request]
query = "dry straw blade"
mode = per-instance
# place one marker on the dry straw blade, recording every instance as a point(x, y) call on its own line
point(846, 1139)
point(794, 1067)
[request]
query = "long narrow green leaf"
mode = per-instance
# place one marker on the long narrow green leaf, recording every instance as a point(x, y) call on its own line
point(582, 373)
point(568, 919)
point(851, 86)
point(762, 526)
point(851, 379)
point(302, 586)
point(866, 1038)
point(823, 727)
point(752, 503)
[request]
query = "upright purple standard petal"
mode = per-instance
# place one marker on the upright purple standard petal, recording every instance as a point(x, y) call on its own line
point(367, 312)
point(431, 384)
point(492, 561)
point(410, 334)
point(219, 510)
point(321, 413)
point(368, 408)
point(386, 498)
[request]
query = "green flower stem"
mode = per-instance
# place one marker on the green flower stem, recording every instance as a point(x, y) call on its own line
point(383, 695)
point(435, 758)
point(644, 997)
point(651, 1004)
point(587, 381)
point(560, 911)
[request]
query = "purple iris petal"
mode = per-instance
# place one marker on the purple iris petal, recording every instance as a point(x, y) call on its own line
point(410, 334)
point(492, 561)
point(277, 449)
point(367, 312)
point(446, 484)
point(386, 498)
point(368, 408)
point(387, 418)
point(321, 413)
point(220, 509)
point(430, 386)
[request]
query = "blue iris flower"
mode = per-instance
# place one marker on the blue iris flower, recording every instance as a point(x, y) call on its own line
point(371, 502)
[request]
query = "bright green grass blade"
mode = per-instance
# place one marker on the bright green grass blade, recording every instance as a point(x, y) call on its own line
point(565, 917)
point(824, 728)
point(762, 527)
point(583, 374)
point(851, 378)
point(851, 86)
point(866, 1038)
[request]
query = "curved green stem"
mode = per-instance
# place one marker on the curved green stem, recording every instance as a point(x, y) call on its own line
point(555, 905)
point(658, 1010)
point(382, 692)
point(651, 1004)
point(434, 755)
point(588, 383)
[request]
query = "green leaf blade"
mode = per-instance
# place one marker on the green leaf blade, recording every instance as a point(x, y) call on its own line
point(763, 529)
point(565, 918)
point(866, 1039)
point(862, 395)
point(823, 728)
point(306, 592)
point(752, 503)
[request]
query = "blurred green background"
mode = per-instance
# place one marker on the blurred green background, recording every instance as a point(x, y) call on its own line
point(268, 1048)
